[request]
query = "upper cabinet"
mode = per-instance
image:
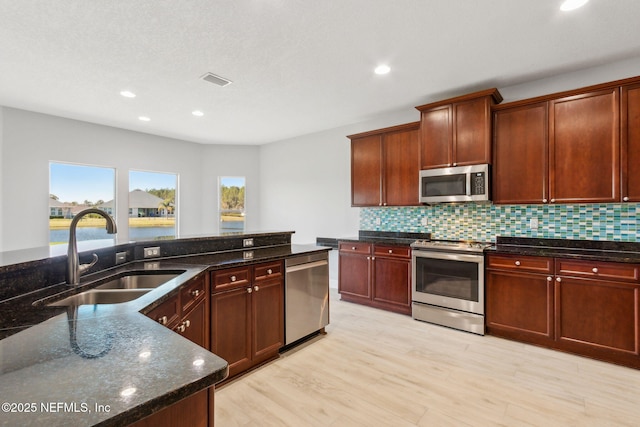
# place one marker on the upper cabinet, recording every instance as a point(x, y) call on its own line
point(562, 148)
point(457, 131)
point(630, 143)
point(385, 166)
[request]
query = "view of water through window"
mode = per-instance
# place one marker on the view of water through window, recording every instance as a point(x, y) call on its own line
point(232, 213)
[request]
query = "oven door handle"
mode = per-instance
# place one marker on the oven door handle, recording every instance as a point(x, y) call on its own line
point(479, 259)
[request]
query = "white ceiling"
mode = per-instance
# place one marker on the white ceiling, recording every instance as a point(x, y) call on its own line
point(297, 66)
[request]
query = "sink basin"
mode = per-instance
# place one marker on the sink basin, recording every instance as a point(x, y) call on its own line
point(139, 281)
point(101, 296)
point(124, 288)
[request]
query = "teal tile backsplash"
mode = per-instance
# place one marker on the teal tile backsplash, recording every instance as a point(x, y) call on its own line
point(483, 222)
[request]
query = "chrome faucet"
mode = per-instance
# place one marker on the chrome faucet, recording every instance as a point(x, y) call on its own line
point(74, 268)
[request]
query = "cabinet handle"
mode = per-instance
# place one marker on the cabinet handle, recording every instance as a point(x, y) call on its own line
point(180, 328)
point(553, 200)
point(372, 258)
point(249, 290)
point(380, 204)
point(353, 248)
point(544, 200)
point(195, 293)
point(384, 204)
point(517, 262)
point(455, 164)
point(232, 278)
point(162, 320)
point(594, 269)
point(558, 279)
point(256, 288)
point(269, 271)
point(549, 278)
point(390, 251)
point(187, 323)
point(625, 199)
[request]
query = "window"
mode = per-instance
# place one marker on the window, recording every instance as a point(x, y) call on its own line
point(152, 205)
point(232, 196)
point(73, 188)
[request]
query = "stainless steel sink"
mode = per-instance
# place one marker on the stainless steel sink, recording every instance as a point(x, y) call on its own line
point(120, 289)
point(101, 296)
point(139, 281)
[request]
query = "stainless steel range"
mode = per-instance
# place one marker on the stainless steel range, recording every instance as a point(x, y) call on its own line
point(448, 284)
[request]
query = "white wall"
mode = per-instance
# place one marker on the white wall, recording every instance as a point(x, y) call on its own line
point(1, 176)
point(31, 140)
point(305, 182)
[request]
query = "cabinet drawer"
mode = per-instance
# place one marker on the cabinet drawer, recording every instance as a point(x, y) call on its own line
point(231, 278)
point(356, 248)
point(268, 271)
point(392, 251)
point(166, 313)
point(193, 293)
point(595, 269)
point(532, 264)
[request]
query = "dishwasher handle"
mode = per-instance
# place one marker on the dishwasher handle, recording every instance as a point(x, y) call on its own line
point(306, 266)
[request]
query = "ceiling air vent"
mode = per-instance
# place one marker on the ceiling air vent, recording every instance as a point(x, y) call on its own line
point(212, 78)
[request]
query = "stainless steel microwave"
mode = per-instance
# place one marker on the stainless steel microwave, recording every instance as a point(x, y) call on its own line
point(456, 184)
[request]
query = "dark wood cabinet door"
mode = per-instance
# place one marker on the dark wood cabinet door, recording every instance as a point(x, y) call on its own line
point(195, 325)
point(268, 319)
point(401, 168)
point(520, 165)
point(520, 305)
point(472, 132)
point(366, 170)
point(597, 318)
point(584, 148)
point(392, 283)
point(354, 276)
point(630, 140)
point(436, 137)
point(192, 411)
point(231, 328)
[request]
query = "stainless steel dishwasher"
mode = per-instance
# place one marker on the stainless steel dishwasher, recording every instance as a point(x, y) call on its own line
point(306, 295)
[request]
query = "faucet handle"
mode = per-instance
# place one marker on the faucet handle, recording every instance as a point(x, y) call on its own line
point(85, 267)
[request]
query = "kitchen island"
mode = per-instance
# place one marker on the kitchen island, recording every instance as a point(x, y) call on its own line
point(110, 364)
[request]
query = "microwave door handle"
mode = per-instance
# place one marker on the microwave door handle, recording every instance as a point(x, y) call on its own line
point(468, 177)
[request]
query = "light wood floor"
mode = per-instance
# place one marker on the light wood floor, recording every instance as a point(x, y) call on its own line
point(375, 368)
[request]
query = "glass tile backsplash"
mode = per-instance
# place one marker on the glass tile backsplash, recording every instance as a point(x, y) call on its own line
point(483, 222)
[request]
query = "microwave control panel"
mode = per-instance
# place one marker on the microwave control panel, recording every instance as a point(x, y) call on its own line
point(478, 183)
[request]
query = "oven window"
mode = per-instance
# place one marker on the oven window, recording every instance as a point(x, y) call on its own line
point(447, 278)
point(448, 185)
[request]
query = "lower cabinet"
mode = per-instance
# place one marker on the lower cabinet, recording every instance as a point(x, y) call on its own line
point(589, 308)
point(187, 313)
point(375, 275)
point(247, 315)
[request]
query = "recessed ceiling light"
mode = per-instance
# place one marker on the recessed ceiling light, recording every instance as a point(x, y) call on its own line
point(197, 113)
point(128, 94)
point(572, 4)
point(382, 69)
point(144, 118)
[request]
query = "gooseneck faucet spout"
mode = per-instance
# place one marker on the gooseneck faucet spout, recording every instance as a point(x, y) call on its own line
point(74, 268)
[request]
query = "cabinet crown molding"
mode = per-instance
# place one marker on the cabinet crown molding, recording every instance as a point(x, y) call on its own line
point(495, 95)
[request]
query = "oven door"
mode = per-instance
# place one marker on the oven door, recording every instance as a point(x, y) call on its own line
point(449, 280)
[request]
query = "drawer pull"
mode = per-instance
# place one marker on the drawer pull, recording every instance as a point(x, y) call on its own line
point(249, 290)
point(390, 251)
point(269, 271)
point(187, 323)
point(549, 278)
point(195, 293)
point(162, 320)
point(625, 199)
point(558, 279)
point(256, 288)
point(517, 262)
point(544, 200)
point(594, 269)
point(353, 248)
point(232, 278)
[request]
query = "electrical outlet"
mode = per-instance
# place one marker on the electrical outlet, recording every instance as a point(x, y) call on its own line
point(246, 243)
point(121, 257)
point(533, 223)
point(152, 252)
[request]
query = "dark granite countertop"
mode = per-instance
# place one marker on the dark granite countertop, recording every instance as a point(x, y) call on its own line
point(116, 348)
point(628, 252)
point(380, 237)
